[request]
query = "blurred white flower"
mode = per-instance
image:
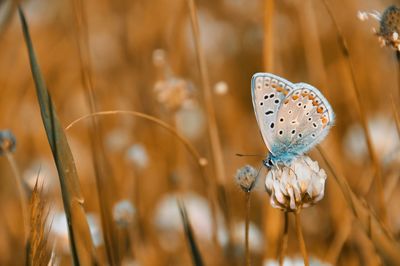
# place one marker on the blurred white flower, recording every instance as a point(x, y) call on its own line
point(159, 57)
point(168, 220)
point(383, 135)
point(123, 213)
point(137, 154)
point(43, 171)
point(190, 121)
point(117, 139)
point(214, 35)
point(172, 92)
point(221, 88)
point(298, 186)
point(297, 261)
point(256, 241)
point(57, 221)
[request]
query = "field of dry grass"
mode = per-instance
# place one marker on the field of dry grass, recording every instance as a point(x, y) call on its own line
point(121, 124)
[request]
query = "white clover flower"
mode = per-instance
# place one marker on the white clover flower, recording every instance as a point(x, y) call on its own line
point(298, 186)
point(123, 213)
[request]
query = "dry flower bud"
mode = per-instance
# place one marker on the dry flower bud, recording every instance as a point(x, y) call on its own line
point(7, 141)
point(297, 186)
point(172, 93)
point(246, 178)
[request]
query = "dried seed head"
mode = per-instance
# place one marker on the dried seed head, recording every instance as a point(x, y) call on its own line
point(297, 186)
point(172, 92)
point(246, 178)
point(123, 213)
point(389, 25)
point(7, 141)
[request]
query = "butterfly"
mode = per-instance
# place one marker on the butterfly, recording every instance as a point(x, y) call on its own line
point(292, 118)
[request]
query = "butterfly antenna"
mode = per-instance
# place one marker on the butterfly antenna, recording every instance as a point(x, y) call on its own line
point(254, 155)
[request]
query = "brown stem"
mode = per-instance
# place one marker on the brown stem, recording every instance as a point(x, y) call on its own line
point(21, 192)
point(282, 248)
point(247, 249)
point(301, 238)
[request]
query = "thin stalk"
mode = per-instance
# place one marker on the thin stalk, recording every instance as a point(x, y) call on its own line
point(284, 241)
point(398, 72)
point(215, 144)
point(247, 249)
point(301, 238)
point(371, 150)
point(216, 148)
point(269, 35)
point(21, 191)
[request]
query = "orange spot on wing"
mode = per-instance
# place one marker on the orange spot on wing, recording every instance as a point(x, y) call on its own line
point(324, 120)
point(311, 97)
point(320, 110)
point(315, 103)
point(285, 92)
point(279, 89)
point(286, 101)
point(295, 97)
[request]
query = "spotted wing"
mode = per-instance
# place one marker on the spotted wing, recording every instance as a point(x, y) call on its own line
point(303, 120)
point(268, 92)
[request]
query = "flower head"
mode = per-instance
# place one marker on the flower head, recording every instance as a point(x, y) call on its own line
point(7, 141)
point(297, 186)
point(246, 178)
point(389, 25)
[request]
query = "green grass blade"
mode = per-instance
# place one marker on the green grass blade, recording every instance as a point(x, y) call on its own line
point(79, 234)
point(196, 256)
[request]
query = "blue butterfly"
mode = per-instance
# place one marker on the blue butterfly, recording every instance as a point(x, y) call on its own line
point(292, 118)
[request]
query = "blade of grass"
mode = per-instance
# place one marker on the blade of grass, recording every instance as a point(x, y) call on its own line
point(196, 256)
point(82, 250)
point(106, 188)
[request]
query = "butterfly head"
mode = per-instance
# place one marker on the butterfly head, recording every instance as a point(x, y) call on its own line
point(269, 162)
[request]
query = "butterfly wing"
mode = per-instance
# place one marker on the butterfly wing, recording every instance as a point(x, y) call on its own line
point(303, 120)
point(268, 91)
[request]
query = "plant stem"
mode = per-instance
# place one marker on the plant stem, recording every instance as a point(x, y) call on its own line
point(301, 238)
point(247, 249)
point(21, 192)
point(283, 246)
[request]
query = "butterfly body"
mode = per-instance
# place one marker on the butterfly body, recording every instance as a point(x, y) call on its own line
point(292, 118)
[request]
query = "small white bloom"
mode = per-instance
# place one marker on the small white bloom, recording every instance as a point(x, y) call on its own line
point(137, 154)
point(221, 88)
point(362, 15)
point(296, 261)
point(59, 230)
point(123, 213)
point(298, 186)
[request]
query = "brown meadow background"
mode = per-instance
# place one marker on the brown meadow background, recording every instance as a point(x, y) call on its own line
point(142, 56)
